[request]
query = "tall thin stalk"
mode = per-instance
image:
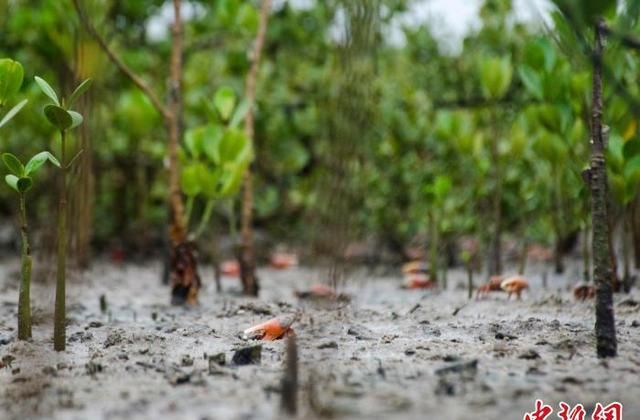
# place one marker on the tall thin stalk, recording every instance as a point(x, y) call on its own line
point(247, 254)
point(59, 317)
point(606, 343)
point(24, 298)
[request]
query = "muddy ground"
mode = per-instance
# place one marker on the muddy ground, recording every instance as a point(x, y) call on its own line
point(383, 356)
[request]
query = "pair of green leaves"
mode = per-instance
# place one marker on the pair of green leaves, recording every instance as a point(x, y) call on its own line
point(11, 76)
point(20, 175)
point(58, 113)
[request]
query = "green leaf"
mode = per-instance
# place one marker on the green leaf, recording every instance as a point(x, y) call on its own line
point(441, 187)
point(531, 81)
point(224, 101)
point(248, 17)
point(36, 162)
point(12, 181)
point(13, 164)
point(632, 171)
point(192, 141)
point(76, 117)
point(82, 88)
point(190, 181)
point(495, 76)
point(234, 143)
point(232, 180)
point(12, 112)
point(53, 160)
point(212, 135)
point(239, 114)
point(631, 149)
point(58, 117)
point(47, 90)
point(11, 75)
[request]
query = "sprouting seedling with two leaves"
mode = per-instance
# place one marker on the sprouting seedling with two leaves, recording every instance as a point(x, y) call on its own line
point(61, 116)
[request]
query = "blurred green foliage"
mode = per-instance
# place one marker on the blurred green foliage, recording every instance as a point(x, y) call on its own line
point(436, 113)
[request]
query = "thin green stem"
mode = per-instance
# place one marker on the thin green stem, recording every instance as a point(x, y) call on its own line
point(206, 216)
point(24, 298)
point(59, 333)
point(189, 209)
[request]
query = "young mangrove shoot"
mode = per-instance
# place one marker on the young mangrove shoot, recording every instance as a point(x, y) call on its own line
point(60, 115)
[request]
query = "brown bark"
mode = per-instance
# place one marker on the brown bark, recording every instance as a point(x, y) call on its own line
point(247, 253)
point(289, 401)
point(635, 231)
point(606, 343)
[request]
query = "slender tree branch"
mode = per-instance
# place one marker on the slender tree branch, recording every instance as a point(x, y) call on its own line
point(115, 59)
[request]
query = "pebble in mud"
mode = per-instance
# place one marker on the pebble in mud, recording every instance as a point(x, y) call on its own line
point(328, 345)
point(114, 338)
point(186, 360)
point(247, 355)
point(529, 354)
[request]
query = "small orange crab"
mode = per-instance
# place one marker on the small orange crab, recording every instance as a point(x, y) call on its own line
point(230, 268)
point(584, 291)
point(274, 329)
point(282, 260)
point(415, 267)
point(417, 281)
point(514, 285)
point(492, 286)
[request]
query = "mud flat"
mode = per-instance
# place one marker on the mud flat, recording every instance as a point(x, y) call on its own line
point(389, 354)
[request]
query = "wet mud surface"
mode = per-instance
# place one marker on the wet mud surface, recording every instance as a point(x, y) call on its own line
point(388, 354)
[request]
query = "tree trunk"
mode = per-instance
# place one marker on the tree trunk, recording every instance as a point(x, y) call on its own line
point(433, 248)
point(246, 258)
point(635, 230)
point(495, 260)
point(522, 263)
point(606, 343)
point(184, 278)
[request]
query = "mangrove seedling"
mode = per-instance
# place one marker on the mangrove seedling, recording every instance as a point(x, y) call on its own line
point(19, 179)
point(215, 158)
point(60, 115)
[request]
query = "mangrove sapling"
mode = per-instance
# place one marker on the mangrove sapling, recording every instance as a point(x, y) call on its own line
point(215, 158)
point(60, 115)
point(20, 180)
